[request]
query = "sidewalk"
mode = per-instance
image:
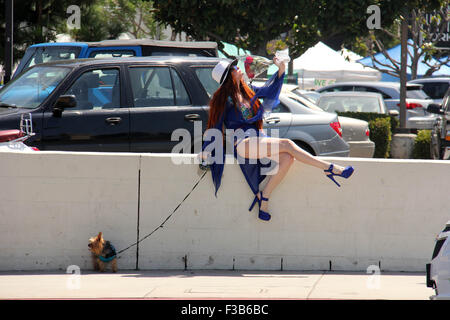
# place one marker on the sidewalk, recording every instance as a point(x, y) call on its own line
point(209, 284)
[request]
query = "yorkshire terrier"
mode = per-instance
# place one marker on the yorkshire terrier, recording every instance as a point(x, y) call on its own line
point(102, 252)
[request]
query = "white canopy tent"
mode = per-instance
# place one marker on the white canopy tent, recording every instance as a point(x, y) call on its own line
point(320, 65)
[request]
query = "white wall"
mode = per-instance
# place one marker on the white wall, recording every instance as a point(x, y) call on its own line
point(388, 213)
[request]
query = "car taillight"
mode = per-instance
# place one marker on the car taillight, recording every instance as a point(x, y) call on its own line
point(411, 105)
point(367, 132)
point(337, 127)
point(35, 149)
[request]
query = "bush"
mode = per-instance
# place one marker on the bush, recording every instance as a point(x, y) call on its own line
point(381, 135)
point(421, 148)
point(381, 127)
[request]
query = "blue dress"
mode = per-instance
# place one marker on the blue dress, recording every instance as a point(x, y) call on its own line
point(238, 118)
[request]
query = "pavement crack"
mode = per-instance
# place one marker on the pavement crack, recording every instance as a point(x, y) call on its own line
point(315, 284)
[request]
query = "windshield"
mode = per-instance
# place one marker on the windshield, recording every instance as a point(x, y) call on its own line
point(348, 103)
point(51, 53)
point(415, 93)
point(33, 86)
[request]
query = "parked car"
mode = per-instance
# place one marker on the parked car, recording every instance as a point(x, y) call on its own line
point(350, 101)
point(434, 87)
point(354, 131)
point(52, 51)
point(416, 100)
point(317, 132)
point(438, 271)
point(313, 96)
point(132, 105)
point(440, 134)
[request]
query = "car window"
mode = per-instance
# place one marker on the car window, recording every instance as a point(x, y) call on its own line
point(52, 53)
point(371, 89)
point(446, 101)
point(33, 86)
point(157, 87)
point(351, 104)
point(435, 90)
point(281, 108)
point(416, 94)
point(181, 95)
point(111, 54)
point(204, 74)
point(96, 89)
point(338, 88)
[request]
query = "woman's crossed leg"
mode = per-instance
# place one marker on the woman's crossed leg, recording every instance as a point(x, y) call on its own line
point(284, 152)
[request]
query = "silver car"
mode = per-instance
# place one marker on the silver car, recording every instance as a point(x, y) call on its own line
point(417, 100)
point(354, 131)
point(315, 131)
point(349, 101)
point(435, 87)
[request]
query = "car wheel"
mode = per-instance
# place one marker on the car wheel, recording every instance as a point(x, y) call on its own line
point(305, 147)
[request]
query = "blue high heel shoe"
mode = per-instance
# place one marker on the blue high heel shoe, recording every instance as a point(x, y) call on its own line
point(261, 214)
point(348, 171)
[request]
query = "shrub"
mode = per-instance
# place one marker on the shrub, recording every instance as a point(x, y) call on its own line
point(381, 135)
point(421, 148)
point(381, 127)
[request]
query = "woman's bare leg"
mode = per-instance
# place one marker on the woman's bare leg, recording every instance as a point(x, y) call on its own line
point(284, 151)
point(285, 160)
point(267, 147)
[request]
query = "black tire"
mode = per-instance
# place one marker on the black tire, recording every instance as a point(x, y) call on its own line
point(305, 147)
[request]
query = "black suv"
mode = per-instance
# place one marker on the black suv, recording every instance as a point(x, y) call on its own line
point(115, 105)
point(440, 134)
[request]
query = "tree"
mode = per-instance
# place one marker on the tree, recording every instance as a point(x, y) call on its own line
point(35, 22)
point(251, 24)
point(137, 16)
point(415, 26)
point(97, 23)
point(423, 33)
point(247, 24)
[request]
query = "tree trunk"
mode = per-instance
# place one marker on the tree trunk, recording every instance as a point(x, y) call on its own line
point(404, 61)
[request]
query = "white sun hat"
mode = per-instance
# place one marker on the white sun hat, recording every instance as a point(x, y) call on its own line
point(221, 70)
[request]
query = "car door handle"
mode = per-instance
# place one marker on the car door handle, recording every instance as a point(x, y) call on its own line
point(273, 120)
point(192, 117)
point(113, 121)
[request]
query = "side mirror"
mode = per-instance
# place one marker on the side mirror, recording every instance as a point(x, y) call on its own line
point(64, 102)
point(394, 113)
point(435, 108)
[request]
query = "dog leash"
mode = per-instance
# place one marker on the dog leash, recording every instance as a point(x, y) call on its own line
point(203, 167)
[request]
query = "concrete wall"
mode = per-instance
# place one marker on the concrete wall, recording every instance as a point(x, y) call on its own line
point(387, 214)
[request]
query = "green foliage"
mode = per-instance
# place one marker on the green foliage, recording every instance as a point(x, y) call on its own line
point(369, 116)
point(97, 24)
point(421, 149)
point(247, 24)
point(381, 135)
point(35, 22)
point(381, 127)
point(136, 16)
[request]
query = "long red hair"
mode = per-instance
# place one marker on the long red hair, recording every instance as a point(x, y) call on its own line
point(230, 88)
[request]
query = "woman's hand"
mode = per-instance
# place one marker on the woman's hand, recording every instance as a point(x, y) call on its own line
point(281, 66)
point(203, 158)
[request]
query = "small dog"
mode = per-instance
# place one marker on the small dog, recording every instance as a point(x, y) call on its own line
point(102, 252)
